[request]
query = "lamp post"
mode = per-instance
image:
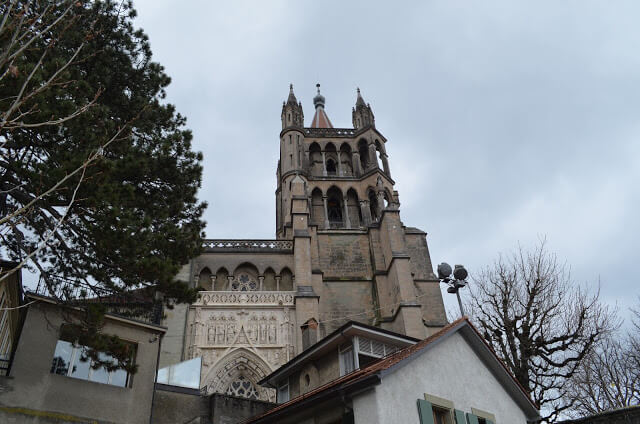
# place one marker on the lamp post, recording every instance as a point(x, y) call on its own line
point(456, 282)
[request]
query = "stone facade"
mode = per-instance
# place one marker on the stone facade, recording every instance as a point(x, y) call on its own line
point(341, 253)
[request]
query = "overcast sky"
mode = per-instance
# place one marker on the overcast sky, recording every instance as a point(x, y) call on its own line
point(506, 121)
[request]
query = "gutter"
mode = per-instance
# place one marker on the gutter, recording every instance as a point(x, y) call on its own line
point(155, 379)
point(339, 391)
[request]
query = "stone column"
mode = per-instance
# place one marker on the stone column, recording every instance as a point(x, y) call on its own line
point(326, 213)
point(261, 281)
point(307, 161)
point(347, 221)
point(372, 155)
point(385, 163)
point(365, 211)
point(278, 282)
point(213, 282)
point(357, 167)
point(324, 165)
point(229, 281)
point(339, 164)
point(381, 206)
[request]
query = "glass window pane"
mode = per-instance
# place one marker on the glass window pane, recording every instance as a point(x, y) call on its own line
point(348, 364)
point(184, 374)
point(119, 378)
point(101, 375)
point(163, 375)
point(80, 368)
point(62, 358)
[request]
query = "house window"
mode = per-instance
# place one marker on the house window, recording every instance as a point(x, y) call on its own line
point(437, 410)
point(347, 363)
point(68, 360)
point(441, 415)
point(483, 417)
point(283, 391)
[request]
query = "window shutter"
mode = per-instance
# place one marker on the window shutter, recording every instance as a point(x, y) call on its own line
point(473, 419)
point(460, 419)
point(425, 412)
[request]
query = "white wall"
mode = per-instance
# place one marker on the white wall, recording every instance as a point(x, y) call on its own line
point(449, 370)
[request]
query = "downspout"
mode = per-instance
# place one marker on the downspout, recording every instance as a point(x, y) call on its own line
point(155, 379)
point(186, 313)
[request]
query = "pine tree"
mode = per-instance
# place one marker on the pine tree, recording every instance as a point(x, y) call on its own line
point(98, 179)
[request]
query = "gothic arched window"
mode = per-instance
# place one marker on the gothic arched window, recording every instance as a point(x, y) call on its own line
point(331, 167)
point(373, 205)
point(334, 207)
point(242, 387)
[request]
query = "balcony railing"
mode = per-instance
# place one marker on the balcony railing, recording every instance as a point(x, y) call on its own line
point(330, 132)
point(249, 245)
point(134, 304)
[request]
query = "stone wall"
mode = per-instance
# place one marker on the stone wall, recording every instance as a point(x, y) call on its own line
point(343, 301)
point(344, 255)
point(177, 405)
point(34, 394)
point(421, 266)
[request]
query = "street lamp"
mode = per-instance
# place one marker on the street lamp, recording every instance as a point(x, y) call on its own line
point(456, 282)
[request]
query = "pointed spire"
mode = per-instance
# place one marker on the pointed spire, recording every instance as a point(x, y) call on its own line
point(292, 97)
point(292, 115)
point(362, 115)
point(320, 119)
point(359, 100)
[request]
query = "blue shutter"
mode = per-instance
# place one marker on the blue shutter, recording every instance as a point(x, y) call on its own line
point(425, 412)
point(472, 419)
point(460, 419)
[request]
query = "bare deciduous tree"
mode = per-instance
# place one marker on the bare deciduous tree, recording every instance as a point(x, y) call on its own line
point(607, 379)
point(539, 322)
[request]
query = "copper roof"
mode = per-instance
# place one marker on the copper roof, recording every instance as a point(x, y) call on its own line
point(320, 119)
point(388, 362)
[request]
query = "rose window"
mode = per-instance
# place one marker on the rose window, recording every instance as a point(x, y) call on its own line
point(244, 283)
point(242, 387)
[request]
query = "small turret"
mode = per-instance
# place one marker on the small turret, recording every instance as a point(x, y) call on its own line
point(362, 115)
point(292, 115)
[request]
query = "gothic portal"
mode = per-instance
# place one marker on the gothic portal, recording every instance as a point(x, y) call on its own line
point(341, 253)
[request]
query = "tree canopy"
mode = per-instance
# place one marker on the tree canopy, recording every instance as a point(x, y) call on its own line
point(98, 178)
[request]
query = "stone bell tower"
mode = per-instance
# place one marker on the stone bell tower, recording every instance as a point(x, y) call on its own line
point(336, 200)
point(341, 253)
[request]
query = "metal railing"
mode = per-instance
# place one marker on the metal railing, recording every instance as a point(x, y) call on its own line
point(134, 304)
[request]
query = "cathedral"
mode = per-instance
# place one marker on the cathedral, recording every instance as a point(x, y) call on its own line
point(340, 253)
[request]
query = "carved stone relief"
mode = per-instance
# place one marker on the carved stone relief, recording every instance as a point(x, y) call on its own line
point(240, 345)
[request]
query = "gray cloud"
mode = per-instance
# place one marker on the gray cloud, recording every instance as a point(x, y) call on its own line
point(506, 121)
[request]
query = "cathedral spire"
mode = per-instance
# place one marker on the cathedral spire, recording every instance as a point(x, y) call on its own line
point(362, 115)
point(292, 97)
point(320, 119)
point(292, 115)
point(359, 100)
